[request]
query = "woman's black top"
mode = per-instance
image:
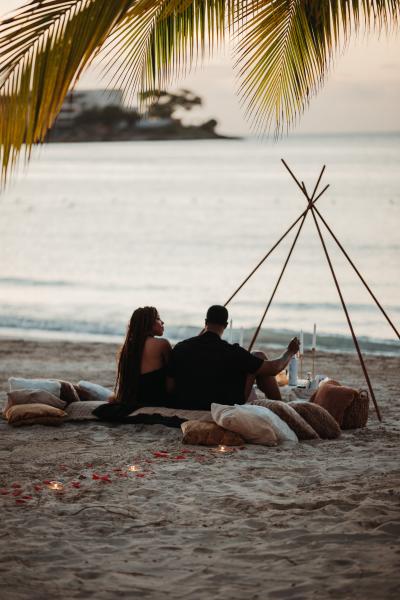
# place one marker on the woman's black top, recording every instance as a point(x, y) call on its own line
point(152, 391)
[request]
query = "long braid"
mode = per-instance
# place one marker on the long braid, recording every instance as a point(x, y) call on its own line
point(130, 356)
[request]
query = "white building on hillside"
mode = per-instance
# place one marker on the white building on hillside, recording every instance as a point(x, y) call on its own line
point(80, 100)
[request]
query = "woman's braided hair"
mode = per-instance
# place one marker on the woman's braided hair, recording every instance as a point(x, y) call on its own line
point(130, 355)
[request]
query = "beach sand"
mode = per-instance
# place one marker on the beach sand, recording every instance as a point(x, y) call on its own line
point(312, 520)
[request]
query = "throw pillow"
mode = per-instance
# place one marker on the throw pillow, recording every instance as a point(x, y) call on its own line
point(356, 415)
point(48, 385)
point(209, 434)
point(34, 414)
point(248, 425)
point(336, 399)
point(319, 419)
point(302, 429)
point(82, 411)
point(88, 391)
point(32, 397)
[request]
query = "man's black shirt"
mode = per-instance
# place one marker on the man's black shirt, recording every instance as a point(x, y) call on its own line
point(207, 369)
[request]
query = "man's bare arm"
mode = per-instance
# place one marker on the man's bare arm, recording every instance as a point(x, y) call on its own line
point(276, 365)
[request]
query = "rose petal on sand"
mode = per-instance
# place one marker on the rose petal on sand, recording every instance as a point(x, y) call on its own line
point(19, 501)
point(96, 476)
point(180, 457)
point(27, 497)
point(4, 492)
point(17, 493)
point(15, 485)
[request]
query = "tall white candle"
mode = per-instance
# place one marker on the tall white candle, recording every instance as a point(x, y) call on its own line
point(314, 337)
point(230, 332)
point(301, 343)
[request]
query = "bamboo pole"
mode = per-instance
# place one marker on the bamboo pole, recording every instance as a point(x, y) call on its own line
point(358, 273)
point(273, 248)
point(311, 202)
point(360, 356)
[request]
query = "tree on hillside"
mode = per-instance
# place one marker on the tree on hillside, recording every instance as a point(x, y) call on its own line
point(284, 49)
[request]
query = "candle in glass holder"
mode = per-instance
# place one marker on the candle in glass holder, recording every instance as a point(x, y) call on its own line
point(133, 468)
point(56, 486)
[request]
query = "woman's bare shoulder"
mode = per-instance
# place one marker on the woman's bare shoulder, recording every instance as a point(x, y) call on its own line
point(161, 343)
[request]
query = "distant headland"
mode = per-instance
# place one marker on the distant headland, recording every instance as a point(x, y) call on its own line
point(100, 116)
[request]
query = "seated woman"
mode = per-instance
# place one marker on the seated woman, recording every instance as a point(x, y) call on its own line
point(141, 375)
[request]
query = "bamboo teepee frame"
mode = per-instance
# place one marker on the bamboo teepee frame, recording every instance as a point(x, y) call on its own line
point(311, 201)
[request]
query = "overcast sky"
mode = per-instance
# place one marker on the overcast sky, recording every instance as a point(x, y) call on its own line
point(362, 93)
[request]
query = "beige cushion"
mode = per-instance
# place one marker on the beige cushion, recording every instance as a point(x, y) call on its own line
point(302, 429)
point(209, 434)
point(34, 414)
point(245, 423)
point(338, 400)
point(33, 397)
point(319, 419)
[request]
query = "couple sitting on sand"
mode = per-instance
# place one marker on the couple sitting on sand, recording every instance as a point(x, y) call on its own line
point(192, 375)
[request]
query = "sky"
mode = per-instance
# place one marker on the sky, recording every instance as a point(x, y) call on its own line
point(361, 93)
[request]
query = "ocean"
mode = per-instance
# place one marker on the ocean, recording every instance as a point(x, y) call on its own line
point(91, 231)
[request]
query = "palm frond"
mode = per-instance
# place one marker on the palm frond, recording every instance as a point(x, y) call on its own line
point(44, 47)
point(285, 48)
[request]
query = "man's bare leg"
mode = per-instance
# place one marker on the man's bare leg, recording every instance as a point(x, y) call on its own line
point(266, 383)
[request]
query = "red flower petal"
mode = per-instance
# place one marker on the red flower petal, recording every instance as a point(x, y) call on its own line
point(17, 493)
point(3, 491)
point(82, 476)
point(27, 497)
point(160, 454)
point(140, 475)
point(37, 488)
point(96, 476)
point(46, 481)
point(89, 465)
point(19, 501)
point(76, 484)
point(15, 485)
point(180, 457)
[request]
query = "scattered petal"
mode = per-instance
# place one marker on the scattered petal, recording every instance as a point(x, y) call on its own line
point(37, 488)
point(27, 497)
point(19, 501)
point(15, 485)
point(140, 475)
point(76, 484)
point(180, 457)
point(3, 491)
point(17, 493)
point(96, 476)
point(82, 476)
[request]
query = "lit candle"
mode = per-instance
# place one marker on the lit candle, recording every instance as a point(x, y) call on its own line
point(230, 332)
point(301, 343)
point(314, 337)
point(55, 485)
point(133, 468)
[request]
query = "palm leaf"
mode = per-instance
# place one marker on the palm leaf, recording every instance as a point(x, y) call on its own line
point(44, 49)
point(285, 48)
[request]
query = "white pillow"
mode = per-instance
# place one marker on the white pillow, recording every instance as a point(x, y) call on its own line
point(249, 426)
point(95, 391)
point(53, 386)
point(82, 411)
point(282, 430)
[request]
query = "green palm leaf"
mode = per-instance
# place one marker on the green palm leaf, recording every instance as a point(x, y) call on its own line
point(285, 49)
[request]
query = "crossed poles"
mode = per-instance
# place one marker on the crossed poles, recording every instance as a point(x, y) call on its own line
point(311, 201)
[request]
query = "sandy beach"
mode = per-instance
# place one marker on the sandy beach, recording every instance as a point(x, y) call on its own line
point(314, 520)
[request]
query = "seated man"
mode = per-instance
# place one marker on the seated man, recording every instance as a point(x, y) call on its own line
point(207, 369)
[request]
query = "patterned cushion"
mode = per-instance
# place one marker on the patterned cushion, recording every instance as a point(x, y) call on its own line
point(209, 434)
point(319, 419)
point(32, 397)
point(245, 423)
point(82, 411)
point(302, 429)
point(34, 414)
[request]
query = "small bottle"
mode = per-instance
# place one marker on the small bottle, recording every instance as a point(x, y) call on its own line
point(309, 378)
point(293, 371)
